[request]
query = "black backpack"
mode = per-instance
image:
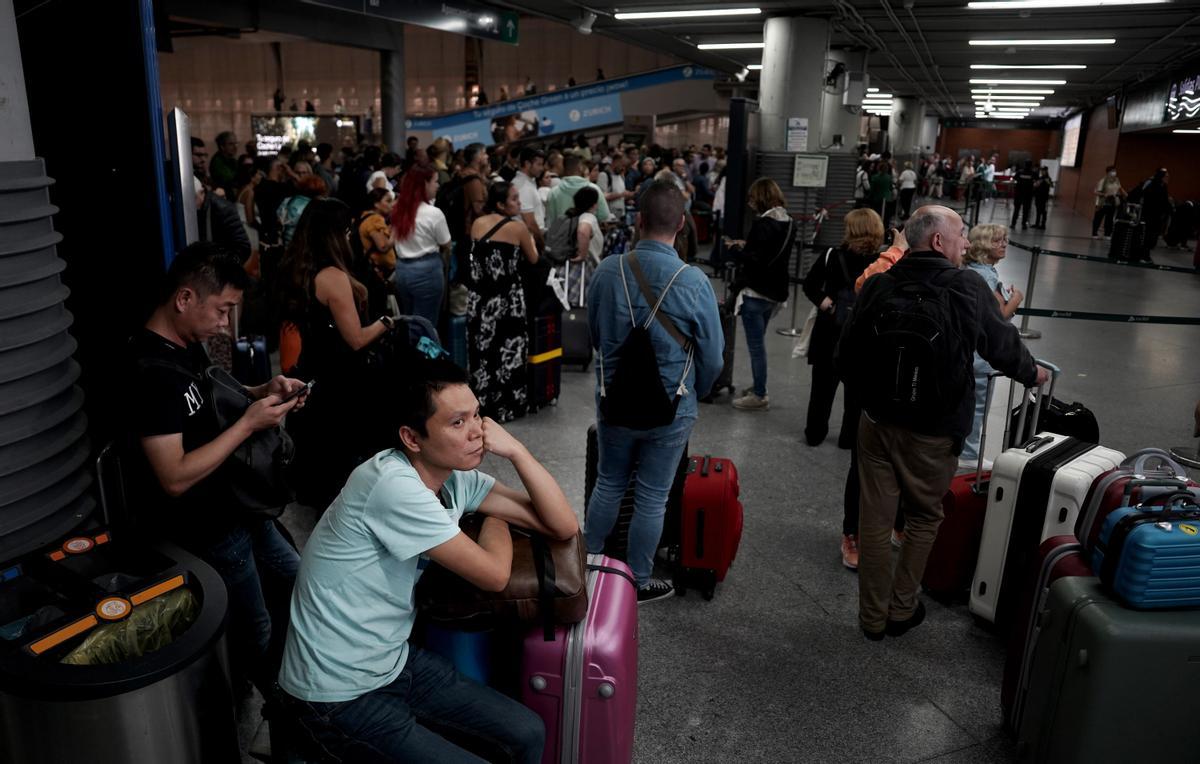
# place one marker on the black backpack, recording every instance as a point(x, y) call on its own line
point(256, 471)
point(561, 242)
point(904, 352)
point(636, 397)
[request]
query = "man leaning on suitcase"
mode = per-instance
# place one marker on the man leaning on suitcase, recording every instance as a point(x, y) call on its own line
point(646, 401)
point(907, 352)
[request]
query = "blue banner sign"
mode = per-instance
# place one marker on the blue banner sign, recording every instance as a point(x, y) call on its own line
point(568, 110)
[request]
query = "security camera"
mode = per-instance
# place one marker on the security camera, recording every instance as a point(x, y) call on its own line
point(831, 79)
point(584, 25)
point(741, 76)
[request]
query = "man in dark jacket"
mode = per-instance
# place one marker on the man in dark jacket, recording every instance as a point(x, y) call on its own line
point(909, 437)
point(1023, 194)
point(219, 222)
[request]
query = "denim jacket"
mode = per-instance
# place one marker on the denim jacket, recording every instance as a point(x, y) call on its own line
point(690, 304)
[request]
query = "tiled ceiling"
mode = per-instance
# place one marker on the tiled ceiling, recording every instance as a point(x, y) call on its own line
point(923, 48)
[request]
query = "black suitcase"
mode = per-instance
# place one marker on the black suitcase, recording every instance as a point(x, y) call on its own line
point(545, 361)
point(1060, 418)
point(617, 543)
point(251, 364)
point(729, 329)
point(576, 337)
point(1128, 240)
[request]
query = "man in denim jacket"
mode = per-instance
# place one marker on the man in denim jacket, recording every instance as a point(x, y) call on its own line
point(654, 453)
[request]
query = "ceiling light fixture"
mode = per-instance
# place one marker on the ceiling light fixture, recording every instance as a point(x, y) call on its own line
point(1065, 41)
point(754, 67)
point(1028, 66)
point(645, 15)
point(999, 116)
point(1003, 5)
point(990, 97)
point(1010, 91)
point(872, 90)
point(1009, 104)
point(1018, 82)
point(730, 45)
point(1187, 131)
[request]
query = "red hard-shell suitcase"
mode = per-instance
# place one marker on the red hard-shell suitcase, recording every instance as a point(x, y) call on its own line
point(1057, 557)
point(583, 683)
point(712, 523)
point(951, 564)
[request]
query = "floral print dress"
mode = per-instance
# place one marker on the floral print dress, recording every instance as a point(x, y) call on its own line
point(497, 338)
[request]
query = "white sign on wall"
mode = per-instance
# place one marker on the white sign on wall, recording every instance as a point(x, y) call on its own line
point(810, 170)
point(797, 134)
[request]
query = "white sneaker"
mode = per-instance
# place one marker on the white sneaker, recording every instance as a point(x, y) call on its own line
point(751, 402)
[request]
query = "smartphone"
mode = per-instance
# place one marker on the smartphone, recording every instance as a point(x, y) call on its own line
point(298, 392)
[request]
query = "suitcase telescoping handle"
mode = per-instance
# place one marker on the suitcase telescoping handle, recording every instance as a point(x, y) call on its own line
point(1179, 484)
point(978, 486)
point(1042, 395)
point(1142, 458)
point(1176, 500)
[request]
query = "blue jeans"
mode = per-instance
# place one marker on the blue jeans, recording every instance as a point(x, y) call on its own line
point(420, 285)
point(755, 315)
point(970, 452)
point(393, 723)
point(259, 568)
point(655, 455)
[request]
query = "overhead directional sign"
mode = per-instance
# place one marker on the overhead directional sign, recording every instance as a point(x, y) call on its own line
point(465, 18)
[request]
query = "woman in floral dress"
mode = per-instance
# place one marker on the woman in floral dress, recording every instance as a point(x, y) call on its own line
point(497, 327)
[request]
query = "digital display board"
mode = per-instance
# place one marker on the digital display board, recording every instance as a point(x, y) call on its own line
point(1070, 142)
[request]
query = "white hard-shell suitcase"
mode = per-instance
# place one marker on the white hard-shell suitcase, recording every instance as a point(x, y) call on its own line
point(1035, 493)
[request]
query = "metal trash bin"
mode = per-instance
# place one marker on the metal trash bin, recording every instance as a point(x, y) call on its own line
point(170, 704)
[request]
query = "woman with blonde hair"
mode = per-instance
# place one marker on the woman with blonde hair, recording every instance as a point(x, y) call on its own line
point(988, 246)
point(762, 281)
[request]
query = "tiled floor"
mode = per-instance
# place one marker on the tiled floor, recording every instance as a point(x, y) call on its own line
point(774, 669)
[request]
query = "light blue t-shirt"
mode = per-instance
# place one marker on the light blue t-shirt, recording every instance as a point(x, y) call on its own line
point(981, 367)
point(353, 606)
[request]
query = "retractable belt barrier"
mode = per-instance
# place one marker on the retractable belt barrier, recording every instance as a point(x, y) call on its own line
point(1105, 260)
point(1124, 318)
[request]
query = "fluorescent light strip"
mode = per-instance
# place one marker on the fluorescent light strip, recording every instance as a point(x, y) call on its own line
point(1187, 131)
point(987, 97)
point(999, 116)
point(1067, 41)
point(1002, 106)
point(730, 45)
point(1010, 91)
point(1030, 66)
point(1003, 5)
point(872, 90)
point(644, 15)
point(754, 67)
point(1018, 82)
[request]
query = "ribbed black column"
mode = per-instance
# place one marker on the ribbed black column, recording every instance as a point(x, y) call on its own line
point(44, 471)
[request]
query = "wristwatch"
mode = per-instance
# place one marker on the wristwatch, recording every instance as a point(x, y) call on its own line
point(387, 322)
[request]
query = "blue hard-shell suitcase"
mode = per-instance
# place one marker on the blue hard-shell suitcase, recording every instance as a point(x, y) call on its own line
point(1149, 556)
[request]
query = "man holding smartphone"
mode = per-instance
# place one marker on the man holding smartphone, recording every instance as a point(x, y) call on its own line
point(186, 497)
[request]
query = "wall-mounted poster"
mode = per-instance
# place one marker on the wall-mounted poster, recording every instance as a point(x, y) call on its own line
point(809, 170)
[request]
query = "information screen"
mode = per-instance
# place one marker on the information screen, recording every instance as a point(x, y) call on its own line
point(1071, 140)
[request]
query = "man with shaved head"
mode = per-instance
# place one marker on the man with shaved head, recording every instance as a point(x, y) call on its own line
point(906, 352)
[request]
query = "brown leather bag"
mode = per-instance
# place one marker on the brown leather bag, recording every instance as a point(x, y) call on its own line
point(548, 583)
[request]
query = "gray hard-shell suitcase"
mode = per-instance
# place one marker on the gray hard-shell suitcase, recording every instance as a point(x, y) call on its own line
point(1103, 676)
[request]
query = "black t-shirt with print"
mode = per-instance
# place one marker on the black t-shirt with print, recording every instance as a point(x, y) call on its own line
point(166, 401)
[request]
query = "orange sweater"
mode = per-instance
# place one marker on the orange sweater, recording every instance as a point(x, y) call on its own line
point(890, 257)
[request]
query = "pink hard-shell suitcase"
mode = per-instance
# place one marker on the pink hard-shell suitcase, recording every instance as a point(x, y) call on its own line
point(584, 683)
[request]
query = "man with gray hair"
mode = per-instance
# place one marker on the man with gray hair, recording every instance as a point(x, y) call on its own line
point(906, 353)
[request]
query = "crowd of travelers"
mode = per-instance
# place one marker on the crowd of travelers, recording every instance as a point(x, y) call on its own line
point(344, 258)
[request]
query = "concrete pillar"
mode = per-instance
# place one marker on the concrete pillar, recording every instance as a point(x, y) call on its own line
point(392, 97)
point(16, 135)
point(905, 128)
point(792, 78)
point(835, 118)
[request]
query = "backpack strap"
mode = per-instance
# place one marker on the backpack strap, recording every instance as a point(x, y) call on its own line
point(656, 303)
point(495, 228)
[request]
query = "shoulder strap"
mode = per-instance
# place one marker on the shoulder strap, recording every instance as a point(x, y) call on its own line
point(788, 242)
point(162, 363)
point(495, 228)
point(656, 302)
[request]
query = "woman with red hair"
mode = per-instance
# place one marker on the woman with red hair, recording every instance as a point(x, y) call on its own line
point(421, 235)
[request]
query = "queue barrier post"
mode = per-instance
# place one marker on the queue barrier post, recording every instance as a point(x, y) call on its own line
point(1025, 331)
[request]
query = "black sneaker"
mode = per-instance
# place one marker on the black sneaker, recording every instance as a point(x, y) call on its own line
point(900, 628)
point(654, 589)
point(874, 636)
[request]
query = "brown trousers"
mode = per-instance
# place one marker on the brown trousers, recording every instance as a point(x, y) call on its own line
point(894, 461)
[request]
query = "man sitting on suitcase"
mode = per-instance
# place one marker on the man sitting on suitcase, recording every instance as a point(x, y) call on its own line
point(354, 684)
point(906, 352)
point(654, 322)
